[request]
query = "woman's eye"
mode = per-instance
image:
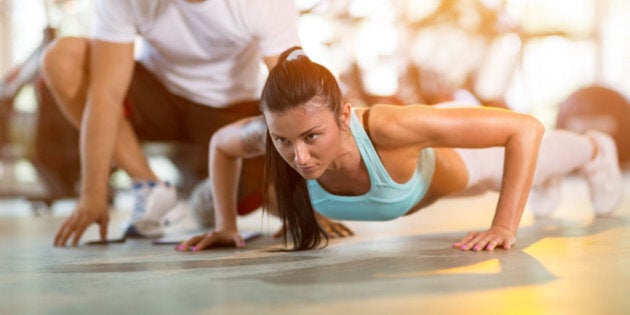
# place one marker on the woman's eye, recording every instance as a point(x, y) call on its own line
point(280, 140)
point(311, 137)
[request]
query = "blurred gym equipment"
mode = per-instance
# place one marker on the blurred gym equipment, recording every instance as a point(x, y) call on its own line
point(57, 169)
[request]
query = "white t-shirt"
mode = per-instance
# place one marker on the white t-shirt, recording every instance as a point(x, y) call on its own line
point(208, 52)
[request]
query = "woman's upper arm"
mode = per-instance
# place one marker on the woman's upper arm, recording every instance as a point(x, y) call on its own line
point(245, 138)
point(427, 126)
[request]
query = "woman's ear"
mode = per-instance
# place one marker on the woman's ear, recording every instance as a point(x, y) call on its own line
point(344, 118)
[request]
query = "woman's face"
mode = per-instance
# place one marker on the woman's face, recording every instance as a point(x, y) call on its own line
point(307, 137)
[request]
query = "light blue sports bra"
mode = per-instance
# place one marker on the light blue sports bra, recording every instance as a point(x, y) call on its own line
point(386, 199)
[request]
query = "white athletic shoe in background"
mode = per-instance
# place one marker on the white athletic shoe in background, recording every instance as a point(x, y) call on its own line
point(545, 198)
point(603, 175)
point(152, 201)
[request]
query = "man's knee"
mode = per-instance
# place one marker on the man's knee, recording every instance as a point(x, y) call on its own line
point(63, 57)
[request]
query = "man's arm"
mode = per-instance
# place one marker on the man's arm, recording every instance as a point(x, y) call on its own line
point(110, 71)
point(111, 68)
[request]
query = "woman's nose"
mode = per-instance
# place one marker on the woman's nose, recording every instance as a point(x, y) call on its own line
point(301, 154)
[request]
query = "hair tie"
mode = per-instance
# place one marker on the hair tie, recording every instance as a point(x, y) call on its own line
point(295, 54)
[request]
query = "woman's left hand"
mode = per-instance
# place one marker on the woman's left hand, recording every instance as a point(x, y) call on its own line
point(495, 237)
point(332, 228)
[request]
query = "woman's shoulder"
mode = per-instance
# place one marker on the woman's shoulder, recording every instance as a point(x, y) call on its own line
point(390, 111)
point(389, 125)
point(384, 116)
point(380, 121)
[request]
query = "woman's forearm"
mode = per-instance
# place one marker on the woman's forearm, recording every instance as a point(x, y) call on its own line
point(229, 146)
point(521, 154)
point(225, 172)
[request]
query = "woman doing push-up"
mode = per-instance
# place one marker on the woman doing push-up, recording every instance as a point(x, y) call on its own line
point(385, 161)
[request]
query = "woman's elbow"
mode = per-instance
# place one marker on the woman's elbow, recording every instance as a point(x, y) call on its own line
point(531, 130)
point(536, 127)
point(217, 138)
point(239, 140)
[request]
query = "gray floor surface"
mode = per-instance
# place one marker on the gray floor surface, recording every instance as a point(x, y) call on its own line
point(571, 263)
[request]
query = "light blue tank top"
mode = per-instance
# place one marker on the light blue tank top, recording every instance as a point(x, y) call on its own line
point(386, 199)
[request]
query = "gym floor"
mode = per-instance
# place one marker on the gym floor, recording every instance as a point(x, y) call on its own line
point(571, 263)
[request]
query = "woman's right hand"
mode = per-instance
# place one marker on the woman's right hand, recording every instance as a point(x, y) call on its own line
point(212, 239)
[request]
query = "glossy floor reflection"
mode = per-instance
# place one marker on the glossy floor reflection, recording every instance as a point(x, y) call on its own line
point(571, 263)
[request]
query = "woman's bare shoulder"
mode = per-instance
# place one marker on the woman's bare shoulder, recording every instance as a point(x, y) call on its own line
point(385, 124)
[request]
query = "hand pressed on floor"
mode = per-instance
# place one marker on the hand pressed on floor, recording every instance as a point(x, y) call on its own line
point(495, 237)
point(212, 239)
point(85, 214)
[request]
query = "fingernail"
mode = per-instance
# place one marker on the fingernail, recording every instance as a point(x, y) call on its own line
point(195, 249)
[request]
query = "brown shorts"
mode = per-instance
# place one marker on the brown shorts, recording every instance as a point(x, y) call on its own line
point(159, 115)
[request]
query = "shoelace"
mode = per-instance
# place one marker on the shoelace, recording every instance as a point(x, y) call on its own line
point(141, 193)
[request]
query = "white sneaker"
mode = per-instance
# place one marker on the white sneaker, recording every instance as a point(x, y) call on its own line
point(202, 204)
point(603, 175)
point(152, 201)
point(544, 199)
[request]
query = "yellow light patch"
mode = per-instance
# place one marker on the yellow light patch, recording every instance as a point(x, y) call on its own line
point(491, 266)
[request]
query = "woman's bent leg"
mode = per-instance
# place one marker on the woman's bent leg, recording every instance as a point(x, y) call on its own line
point(561, 153)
